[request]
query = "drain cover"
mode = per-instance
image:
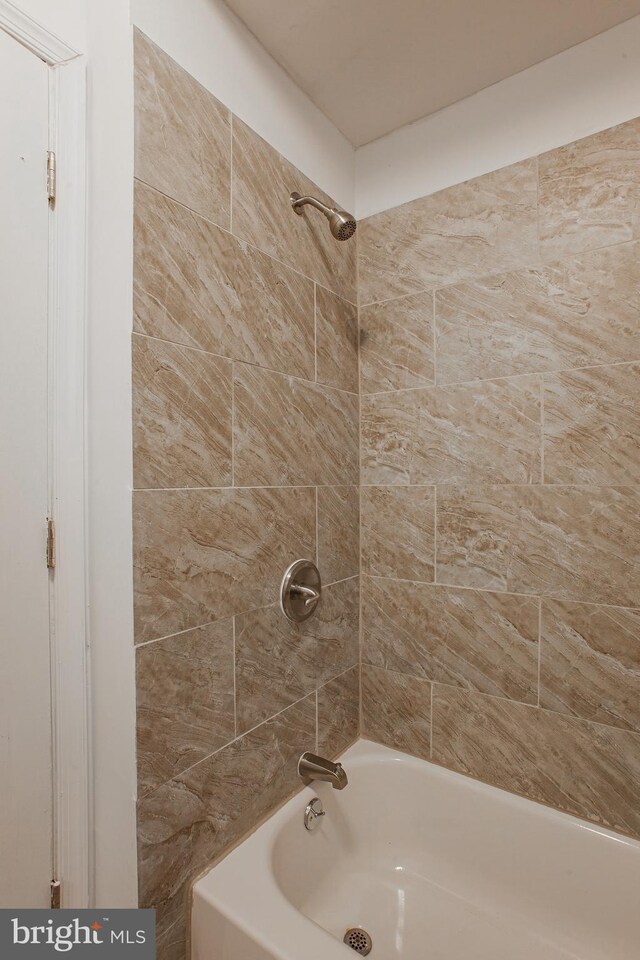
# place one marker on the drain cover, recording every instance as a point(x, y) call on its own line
point(359, 940)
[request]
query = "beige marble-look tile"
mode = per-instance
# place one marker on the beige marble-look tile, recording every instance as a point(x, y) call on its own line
point(181, 416)
point(388, 426)
point(584, 768)
point(336, 341)
point(191, 820)
point(339, 713)
point(185, 706)
point(589, 191)
point(571, 543)
point(171, 927)
point(278, 662)
point(474, 639)
point(396, 710)
point(338, 532)
point(486, 225)
point(287, 431)
point(197, 285)
point(183, 134)
point(396, 532)
point(489, 431)
point(202, 555)
point(262, 214)
point(592, 425)
point(396, 344)
point(590, 662)
point(578, 312)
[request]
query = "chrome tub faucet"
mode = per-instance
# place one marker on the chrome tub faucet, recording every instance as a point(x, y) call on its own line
point(312, 767)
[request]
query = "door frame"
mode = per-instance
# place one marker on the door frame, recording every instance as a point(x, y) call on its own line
point(68, 587)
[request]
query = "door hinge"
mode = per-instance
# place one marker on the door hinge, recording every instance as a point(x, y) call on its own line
point(55, 894)
point(51, 544)
point(51, 177)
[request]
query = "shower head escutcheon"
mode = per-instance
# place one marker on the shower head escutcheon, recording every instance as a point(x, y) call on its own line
point(342, 224)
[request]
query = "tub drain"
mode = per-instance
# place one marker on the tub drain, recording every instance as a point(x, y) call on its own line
point(359, 940)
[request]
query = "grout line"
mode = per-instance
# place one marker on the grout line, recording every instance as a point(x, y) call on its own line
point(473, 484)
point(180, 633)
point(231, 172)
point(359, 489)
point(317, 725)
point(240, 239)
point(196, 349)
point(245, 733)
point(539, 264)
point(501, 593)
point(384, 393)
point(283, 486)
point(359, 531)
point(235, 694)
point(257, 726)
point(315, 333)
point(340, 296)
point(360, 620)
point(337, 676)
point(538, 242)
point(511, 376)
point(317, 535)
point(435, 342)
point(239, 613)
point(420, 486)
point(247, 363)
point(435, 533)
point(431, 722)
point(421, 291)
point(394, 486)
point(233, 424)
point(445, 386)
point(334, 583)
point(542, 429)
point(539, 643)
point(529, 706)
point(473, 691)
point(360, 712)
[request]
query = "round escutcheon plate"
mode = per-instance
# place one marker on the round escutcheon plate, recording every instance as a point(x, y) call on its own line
point(300, 590)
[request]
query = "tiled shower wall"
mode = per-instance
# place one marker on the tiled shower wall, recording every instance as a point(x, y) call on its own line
point(245, 358)
point(500, 470)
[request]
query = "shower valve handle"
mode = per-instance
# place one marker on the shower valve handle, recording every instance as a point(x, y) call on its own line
point(310, 595)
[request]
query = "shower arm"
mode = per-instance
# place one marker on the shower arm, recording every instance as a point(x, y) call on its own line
point(342, 224)
point(297, 202)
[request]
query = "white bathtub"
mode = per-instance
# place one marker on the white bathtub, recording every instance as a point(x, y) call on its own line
point(432, 864)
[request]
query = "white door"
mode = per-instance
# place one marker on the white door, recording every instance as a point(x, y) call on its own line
point(25, 673)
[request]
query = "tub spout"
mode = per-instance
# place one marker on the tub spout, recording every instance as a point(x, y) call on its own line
point(311, 767)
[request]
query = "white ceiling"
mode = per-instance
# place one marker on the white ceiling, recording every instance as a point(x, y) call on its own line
point(375, 65)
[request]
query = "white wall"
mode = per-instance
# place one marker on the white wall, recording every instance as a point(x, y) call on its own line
point(110, 284)
point(209, 41)
point(594, 85)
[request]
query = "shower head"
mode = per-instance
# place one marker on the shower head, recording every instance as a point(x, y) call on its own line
point(342, 224)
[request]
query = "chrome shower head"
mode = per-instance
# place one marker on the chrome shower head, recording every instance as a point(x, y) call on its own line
point(342, 224)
